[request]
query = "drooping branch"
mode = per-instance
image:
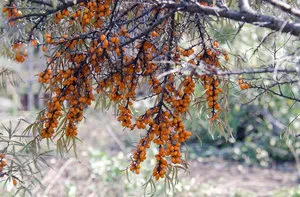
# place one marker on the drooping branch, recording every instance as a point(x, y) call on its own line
point(254, 71)
point(256, 19)
point(280, 94)
point(245, 14)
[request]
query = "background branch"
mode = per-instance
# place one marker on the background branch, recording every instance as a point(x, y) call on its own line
point(261, 20)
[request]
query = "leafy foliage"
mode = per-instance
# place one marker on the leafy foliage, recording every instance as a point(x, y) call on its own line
point(20, 161)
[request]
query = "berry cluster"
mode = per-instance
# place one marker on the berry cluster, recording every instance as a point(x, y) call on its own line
point(165, 127)
point(2, 163)
point(212, 91)
point(167, 131)
point(88, 12)
point(97, 53)
point(20, 52)
point(11, 11)
point(243, 85)
point(211, 81)
point(72, 86)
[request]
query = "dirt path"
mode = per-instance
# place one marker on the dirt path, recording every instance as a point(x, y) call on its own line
point(212, 177)
point(227, 176)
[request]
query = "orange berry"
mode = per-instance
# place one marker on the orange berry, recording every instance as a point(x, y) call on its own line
point(3, 163)
point(33, 42)
point(216, 44)
point(102, 38)
point(57, 55)
point(105, 44)
point(44, 48)
point(240, 81)
point(226, 57)
point(4, 9)
point(15, 182)
point(154, 34)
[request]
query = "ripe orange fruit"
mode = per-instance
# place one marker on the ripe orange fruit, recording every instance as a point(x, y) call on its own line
point(44, 48)
point(15, 182)
point(154, 34)
point(57, 54)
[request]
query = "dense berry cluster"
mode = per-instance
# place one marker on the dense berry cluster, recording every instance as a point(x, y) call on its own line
point(72, 86)
point(211, 81)
point(167, 131)
point(87, 12)
point(211, 91)
point(92, 55)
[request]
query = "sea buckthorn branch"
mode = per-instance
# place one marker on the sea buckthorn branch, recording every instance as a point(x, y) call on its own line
point(41, 2)
point(243, 85)
point(109, 48)
point(160, 169)
point(256, 18)
point(160, 128)
point(280, 94)
point(44, 12)
point(147, 31)
point(139, 155)
point(247, 72)
point(268, 70)
point(17, 166)
point(8, 171)
point(209, 55)
point(5, 171)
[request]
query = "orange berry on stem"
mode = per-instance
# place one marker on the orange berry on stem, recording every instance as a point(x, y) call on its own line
point(3, 163)
point(216, 44)
point(154, 34)
point(44, 48)
point(57, 55)
point(15, 182)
